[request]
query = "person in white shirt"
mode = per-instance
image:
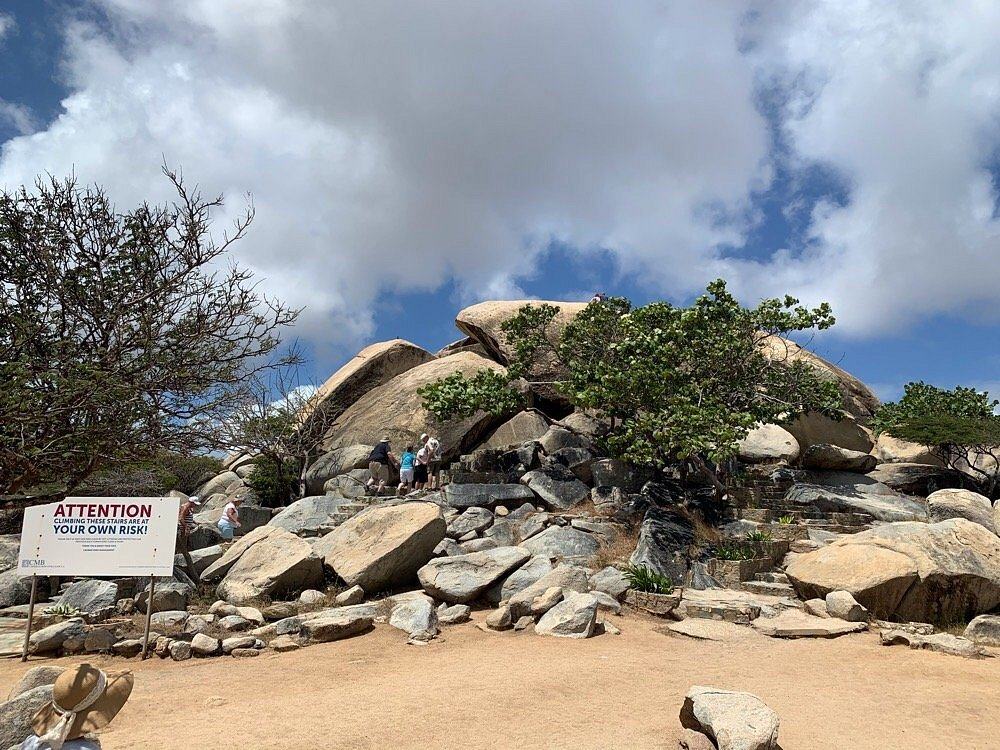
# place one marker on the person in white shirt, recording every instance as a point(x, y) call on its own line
point(230, 520)
point(434, 467)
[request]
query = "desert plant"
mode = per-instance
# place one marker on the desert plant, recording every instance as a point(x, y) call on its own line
point(758, 537)
point(786, 520)
point(641, 578)
point(733, 551)
point(62, 610)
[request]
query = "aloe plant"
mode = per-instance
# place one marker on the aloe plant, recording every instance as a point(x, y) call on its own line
point(641, 578)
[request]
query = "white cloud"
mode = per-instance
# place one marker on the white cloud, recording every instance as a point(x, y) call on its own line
point(396, 144)
point(17, 116)
point(903, 100)
point(393, 145)
point(7, 24)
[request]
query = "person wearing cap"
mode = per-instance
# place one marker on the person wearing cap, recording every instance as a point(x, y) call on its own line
point(185, 525)
point(84, 700)
point(379, 461)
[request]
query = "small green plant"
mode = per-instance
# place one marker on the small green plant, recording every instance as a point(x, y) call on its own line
point(758, 537)
point(63, 610)
point(786, 520)
point(734, 551)
point(641, 578)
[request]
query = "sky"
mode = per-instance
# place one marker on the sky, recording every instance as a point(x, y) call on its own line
point(408, 159)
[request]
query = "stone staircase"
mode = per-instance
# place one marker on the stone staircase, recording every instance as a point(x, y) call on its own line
point(762, 499)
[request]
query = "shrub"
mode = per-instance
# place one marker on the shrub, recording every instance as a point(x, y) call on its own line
point(641, 578)
point(274, 483)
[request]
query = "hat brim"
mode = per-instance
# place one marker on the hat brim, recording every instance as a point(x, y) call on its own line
point(97, 716)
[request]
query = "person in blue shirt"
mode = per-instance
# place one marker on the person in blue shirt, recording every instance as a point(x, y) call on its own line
point(406, 470)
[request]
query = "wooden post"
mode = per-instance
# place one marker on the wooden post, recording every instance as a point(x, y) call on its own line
point(149, 617)
point(31, 616)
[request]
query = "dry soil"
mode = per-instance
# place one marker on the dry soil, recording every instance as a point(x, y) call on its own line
point(472, 689)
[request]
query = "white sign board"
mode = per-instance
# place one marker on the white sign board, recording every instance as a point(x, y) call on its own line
point(100, 536)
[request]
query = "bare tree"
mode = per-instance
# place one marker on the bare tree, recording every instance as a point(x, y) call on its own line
point(121, 333)
point(283, 423)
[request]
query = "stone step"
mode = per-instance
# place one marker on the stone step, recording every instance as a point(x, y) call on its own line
point(772, 577)
point(766, 587)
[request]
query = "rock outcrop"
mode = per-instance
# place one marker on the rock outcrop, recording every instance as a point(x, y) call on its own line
point(735, 721)
point(333, 464)
point(846, 492)
point(383, 546)
point(769, 442)
point(859, 401)
point(395, 409)
point(813, 428)
point(938, 572)
point(954, 503)
point(463, 578)
point(373, 366)
point(483, 323)
point(521, 428)
point(279, 565)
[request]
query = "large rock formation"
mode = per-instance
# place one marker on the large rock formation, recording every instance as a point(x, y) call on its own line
point(522, 427)
point(890, 450)
point(333, 464)
point(954, 503)
point(916, 479)
point(463, 578)
point(373, 366)
point(482, 322)
point(277, 565)
point(859, 401)
point(938, 572)
point(840, 491)
point(813, 428)
point(394, 409)
point(768, 442)
point(383, 546)
point(308, 516)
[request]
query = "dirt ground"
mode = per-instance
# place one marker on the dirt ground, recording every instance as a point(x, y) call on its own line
point(472, 689)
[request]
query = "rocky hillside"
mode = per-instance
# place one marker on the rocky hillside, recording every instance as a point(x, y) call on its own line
point(827, 532)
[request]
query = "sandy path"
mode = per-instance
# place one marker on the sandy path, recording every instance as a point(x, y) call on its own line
point(481, 690)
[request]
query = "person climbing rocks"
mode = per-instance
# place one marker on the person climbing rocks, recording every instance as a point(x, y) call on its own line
point(434, 465)
point(406, 461)
point(230, 519)
point(185, 525)
point(421, 468)
point(379, 461)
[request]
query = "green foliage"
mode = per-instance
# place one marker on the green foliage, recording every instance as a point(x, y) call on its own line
point(734, 550)
point(151, 478)
point(676, 382)
point(641, 578)
point(960, 426)
point(273, 482)
point(457, 396)
point(122, 332)
point(528, 332)
point(62, 610)
point(759, 537)
point(786, 520)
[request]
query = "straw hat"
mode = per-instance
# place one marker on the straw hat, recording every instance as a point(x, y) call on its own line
point(195, 500)
point(84, 699)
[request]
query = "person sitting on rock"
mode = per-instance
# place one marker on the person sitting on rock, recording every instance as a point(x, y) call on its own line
point(84, 699)
point(406, 461)
point(379, 461)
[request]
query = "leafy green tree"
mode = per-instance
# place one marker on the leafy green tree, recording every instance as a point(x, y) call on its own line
point(676, 383)
point(122, 333)
point(960, 426)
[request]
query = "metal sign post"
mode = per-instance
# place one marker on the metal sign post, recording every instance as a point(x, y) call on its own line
point(149, 616)
point(31, 617)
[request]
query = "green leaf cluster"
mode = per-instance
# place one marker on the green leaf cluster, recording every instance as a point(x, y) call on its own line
point(960, 426)
point(675, 382)
point(641, 578)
